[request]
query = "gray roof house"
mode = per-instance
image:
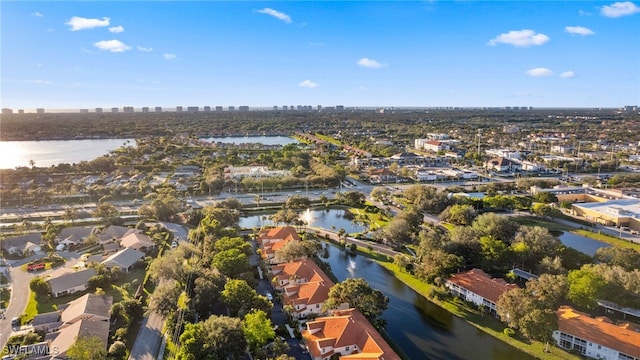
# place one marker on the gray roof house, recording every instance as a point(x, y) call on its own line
point(125, 259)
point(113, 233)
point(70, 282)
point(23, 244)
point(74, 235)
point(88, 306)
point(63, 339)
point(137, 241)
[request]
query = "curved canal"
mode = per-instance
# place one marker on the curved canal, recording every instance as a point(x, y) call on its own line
point(420, 328)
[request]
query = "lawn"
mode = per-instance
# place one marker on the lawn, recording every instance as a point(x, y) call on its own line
point(533, 221)
point(613, 240)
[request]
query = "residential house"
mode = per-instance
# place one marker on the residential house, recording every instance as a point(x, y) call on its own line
point(88, 306)
point(124, 259)
point(69, 281)
point(23, 244)
point(74, 235)
point(502, 165)
point(137, 241)
point(304, 286)
point(346, 333)
point(383, 176)
point(479, 288)
point(115, 233)
point(62, 340)
point(597, 338)
point(274, 239)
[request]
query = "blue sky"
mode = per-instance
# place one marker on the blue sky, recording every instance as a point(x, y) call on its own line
point(71, 55)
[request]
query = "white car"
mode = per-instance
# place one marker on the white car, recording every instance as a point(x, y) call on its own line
point(269, 296)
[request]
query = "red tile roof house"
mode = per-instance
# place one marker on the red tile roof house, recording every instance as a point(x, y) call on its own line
point(272, 240)
point(304, 286)
point(479, 288)
point(596, 338)
point(348, 333)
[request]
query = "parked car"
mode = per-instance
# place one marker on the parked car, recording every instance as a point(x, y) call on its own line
point(15, 322)
point(35, 266)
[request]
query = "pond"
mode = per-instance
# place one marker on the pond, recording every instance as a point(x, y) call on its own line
point(581, 243)
point(330, 219)
point(265, 140)
point(420, 328)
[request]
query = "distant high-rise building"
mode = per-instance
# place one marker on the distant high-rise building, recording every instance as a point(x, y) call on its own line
point(145, 109)
point(178, 108)
point(20, 111)
point(218, 108)
point(7, 111)
point(340, 107)
point(158, 109)
point(243, 108)
point(128, 110)
point(319, 107)
point(39, 111)
point(193, 109)
point(207, 109)
point(630, 108)
point(84, 111)
point(232, 108)
point(275, 107)
point(285, 107)
point(115, 110)
point(98, 110)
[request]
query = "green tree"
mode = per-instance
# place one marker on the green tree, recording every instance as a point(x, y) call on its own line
point(257, 329)
point(295, 250)
point(87, 348)
point(240, 298)
point(500, 227)
point(585, 287)
point(217, 338)
point(232, 262)
point(545, 197)
point(39, 287)
point(106, 212)
point(358, 294)
point(458, 214)
point(164, 298)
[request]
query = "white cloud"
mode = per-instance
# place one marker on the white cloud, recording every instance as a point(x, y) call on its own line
point(584, 13)
point(276, 14)
point(541, 71)
point(112, 45)
point(620, 8)
point(143, 49)
point(370, 63)
point(79, 23)
point(41, 82)
point(308, 84)
point(567, 74)
point(37, 14)
point(116, 29)
point(578, 30)
point(520, 38)
point(169, 56)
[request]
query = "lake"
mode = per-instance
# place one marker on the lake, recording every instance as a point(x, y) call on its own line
point(420, 328)
point(265, 140)
point(53, 152)
point(330, 219)
point(581, 243)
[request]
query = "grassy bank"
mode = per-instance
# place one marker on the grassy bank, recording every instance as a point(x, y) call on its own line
point(613, 240)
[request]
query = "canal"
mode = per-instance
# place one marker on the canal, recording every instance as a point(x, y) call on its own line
point(420, 328)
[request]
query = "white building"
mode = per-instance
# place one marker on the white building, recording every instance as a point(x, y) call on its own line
point(597, 338)
point(478, 287)
point(238, 172)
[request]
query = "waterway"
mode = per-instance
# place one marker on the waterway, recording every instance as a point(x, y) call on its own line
point(265, 140)
point(581, 243)
point(420, 328)
point(52, 152)
point(330, 219)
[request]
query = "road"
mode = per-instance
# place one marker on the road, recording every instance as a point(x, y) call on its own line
point(147, 344)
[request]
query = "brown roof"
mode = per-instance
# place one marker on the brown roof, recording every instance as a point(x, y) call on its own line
point(347, 328)
point(136, 241)
point(601, 332)
point(63, 339)
point(479, 282)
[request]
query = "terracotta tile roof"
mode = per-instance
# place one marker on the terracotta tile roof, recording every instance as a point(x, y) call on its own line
point(479, 282)
point(307, 294)
point(597, 331)
point(271, 240)
point(347, 328)
point(305, 270)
